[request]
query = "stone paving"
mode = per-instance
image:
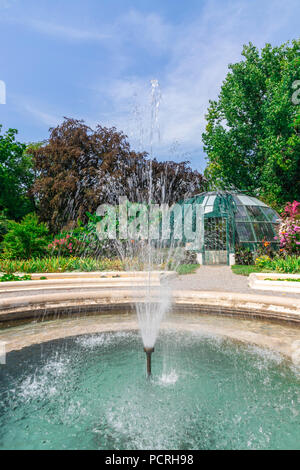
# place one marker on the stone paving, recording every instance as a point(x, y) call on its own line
point(220, 279)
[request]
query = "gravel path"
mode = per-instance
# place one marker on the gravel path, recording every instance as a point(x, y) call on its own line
point(222, 279)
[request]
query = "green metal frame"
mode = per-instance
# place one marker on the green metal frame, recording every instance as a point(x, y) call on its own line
point(228, 205)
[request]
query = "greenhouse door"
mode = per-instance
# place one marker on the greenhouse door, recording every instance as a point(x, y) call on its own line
point(215, 240)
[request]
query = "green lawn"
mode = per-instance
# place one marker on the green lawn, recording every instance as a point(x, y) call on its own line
point(187, 268)
point(286, 280)
point(246, 270)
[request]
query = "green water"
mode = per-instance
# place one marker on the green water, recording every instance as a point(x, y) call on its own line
point(90, 392)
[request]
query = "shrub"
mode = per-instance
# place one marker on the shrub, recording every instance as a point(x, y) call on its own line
point(4, 222)
point(187, 268)
point(265, 248)
point(263, 261)
point(190, 258)
point(244, 256)
point(83, 241)
point(289, 231)
point(66, 245)
point(289, 264)
point(26, 239)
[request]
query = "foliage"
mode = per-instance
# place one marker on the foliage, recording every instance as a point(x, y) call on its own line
point(60, 264)
point(289, 231)
point(289, 264)
point(95, 246)
point(243, 256)
point(189, 257)
point(72, 167)
point(286, 280)
point(69, 243)
point(4, 222)
point(16, 176)
point(246, 270)
point(263, 261)
point(187, 268)
point(62, 246)
point(171, 182)
point(25, 239)
point(12, 277)
point(80, 168)
point(252, 136)
point(265, 248)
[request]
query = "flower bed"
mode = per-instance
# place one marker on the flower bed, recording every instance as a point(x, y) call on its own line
point(60, 264)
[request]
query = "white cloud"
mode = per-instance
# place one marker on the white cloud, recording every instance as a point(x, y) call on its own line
point(199, 54)
point(190, 59)
point(148, 30)
point(60, 30)
point(49, 119)
point(66, 32)
point(36, 111)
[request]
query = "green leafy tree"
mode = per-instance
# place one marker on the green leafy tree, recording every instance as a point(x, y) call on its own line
point(252, 137)
point(4, 221)
point(25, 239)
point(16, 176)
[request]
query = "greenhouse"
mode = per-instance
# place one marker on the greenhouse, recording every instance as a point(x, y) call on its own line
point(232, 219)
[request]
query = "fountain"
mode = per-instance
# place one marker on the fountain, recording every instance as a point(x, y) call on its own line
point(76, 381)
point(136, 246)
point(151, 312)
point(86, 392)
point(149, 352)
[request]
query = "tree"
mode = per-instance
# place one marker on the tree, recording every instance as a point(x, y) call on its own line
point(79, 168)
point(16, 176)
point(252, 136)
point(173, 182)
point(72, 167)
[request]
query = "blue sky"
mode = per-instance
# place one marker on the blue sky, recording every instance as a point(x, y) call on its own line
point(94, 59)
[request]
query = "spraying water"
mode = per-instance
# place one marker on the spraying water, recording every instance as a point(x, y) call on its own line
point(154, 306)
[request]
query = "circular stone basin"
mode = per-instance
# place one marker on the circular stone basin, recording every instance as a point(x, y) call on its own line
point(90, 392)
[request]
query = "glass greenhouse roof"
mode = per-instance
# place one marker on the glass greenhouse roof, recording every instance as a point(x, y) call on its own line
point(250, 220)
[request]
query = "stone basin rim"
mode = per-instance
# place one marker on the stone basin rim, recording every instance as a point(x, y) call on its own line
point(240, 336)
point(219, 303)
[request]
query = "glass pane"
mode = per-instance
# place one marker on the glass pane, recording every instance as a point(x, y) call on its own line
point(205, 201)
point(271, 215)
point(257, 202)
point(276, 229)
point(237, 201)
point(267, 229)
point(263, 231)
point(255, 213)
point(241, 213)
point(211, 200)
point(245, 232)
point(247, 201)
